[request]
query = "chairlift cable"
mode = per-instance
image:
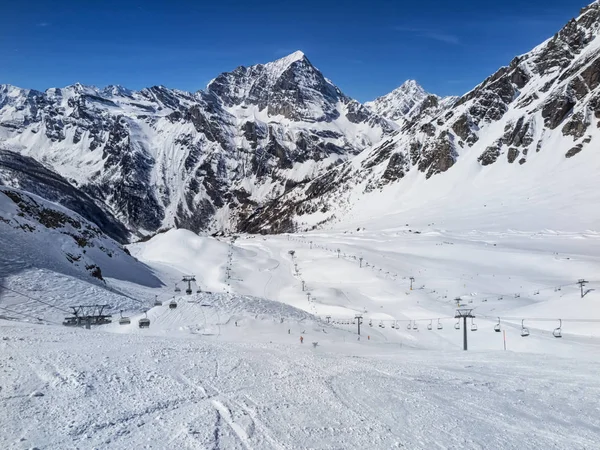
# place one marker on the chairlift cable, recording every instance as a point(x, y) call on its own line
point(35, 299)
point(28, 315)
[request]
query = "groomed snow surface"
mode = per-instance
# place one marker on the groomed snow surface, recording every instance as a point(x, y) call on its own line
point(226, 369)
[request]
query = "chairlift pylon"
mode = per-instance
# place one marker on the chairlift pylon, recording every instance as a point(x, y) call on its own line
point(524, 331)
point(557, 333)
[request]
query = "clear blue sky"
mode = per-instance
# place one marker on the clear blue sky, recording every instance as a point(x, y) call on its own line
point(366, 47)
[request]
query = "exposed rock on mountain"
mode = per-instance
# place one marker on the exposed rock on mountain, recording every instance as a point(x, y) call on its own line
point(278, 147)
point(546, 101)
point(162, 157)
point(27, 174)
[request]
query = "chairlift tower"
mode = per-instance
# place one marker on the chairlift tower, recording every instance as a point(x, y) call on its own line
point(358, 318)
point(464, 314)
point(581, 284)
point(189, 279)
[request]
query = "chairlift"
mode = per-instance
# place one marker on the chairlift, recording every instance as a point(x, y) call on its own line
point(177, 289)
point(188, 291)
point(524, 331)
point(172, 304)
point(409, 326)
point(198, 291)
point(144, 322)
point(439, 325)
point(557, 333)
point(457, 325)
point(370, 323)
point(430, 326)
point(497, 326)
point(394, 325)
point(415, 326)
point(381, 325)
point(124, 320)
point(157, 302)
point(473, 325)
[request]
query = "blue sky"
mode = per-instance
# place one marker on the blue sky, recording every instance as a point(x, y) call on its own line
point(367, 48)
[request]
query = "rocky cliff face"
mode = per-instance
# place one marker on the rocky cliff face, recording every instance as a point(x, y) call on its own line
point(545, 101)
point(162, 157)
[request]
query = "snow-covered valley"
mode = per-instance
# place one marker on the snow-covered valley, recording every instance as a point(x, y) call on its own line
point(226, 368)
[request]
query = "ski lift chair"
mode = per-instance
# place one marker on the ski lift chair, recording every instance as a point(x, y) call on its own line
point(557, 333)
point(144, 322)
point(457, 325)
point(172, 304)
point(381, 325)
point(409, 326)
point(473, 325)
point(394, 325)
point(415, 326)
point(430, 326)
point(157, 302)
point(177, 289)
point(524, 331)
point(439, 325)
point(497, 326)
point(124, 320)
point(188, 291)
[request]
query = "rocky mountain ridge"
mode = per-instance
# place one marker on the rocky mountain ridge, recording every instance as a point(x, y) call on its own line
point(541, 109)
point(278, 147)
point(160, 157)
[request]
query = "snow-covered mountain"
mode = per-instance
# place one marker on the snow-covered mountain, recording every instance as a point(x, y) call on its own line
point(407, 101)
point(27, 174)
point(530, 127)
point(275, 146)
point(162, 157)
point(34, 231)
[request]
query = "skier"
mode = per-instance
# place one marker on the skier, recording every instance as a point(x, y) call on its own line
point(301, 339)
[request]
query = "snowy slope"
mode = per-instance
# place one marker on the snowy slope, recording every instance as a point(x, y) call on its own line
point(228, 370)
point(52, 259)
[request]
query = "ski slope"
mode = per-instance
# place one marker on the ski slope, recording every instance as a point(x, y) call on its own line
point(226, 368)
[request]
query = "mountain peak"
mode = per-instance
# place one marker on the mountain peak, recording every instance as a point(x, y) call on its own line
point(401, 102)
point(293, 57)
point(279, 66)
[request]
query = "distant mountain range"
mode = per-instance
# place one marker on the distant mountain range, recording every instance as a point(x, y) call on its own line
point(278, 147)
